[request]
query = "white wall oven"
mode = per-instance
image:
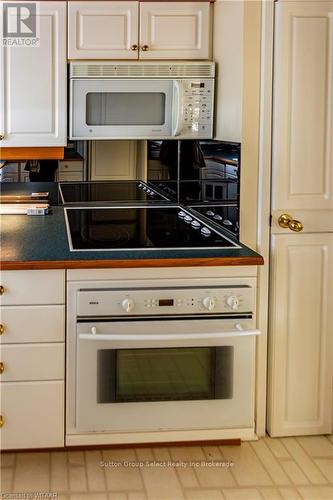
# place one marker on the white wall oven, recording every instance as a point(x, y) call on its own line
point(131, 100)
point(160, 358)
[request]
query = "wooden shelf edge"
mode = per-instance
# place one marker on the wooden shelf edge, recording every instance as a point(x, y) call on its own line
point(16, 154)
point(135, 263)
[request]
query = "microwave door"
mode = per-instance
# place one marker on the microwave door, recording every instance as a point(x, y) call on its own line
point(121, 109)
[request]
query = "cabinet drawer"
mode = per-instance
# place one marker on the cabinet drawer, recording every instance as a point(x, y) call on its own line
point(33, 415)
point(70, 166)
point(33, 362)
point(33, 287)
point(24, 324)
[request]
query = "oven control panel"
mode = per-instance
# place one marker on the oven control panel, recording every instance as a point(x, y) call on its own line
point(165, 301)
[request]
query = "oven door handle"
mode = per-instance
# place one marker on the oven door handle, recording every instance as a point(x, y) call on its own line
point(167, 337)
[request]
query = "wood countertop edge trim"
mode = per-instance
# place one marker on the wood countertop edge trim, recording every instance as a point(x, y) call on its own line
point(134, 263)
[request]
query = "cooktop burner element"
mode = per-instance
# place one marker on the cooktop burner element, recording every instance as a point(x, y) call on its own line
point(108, 192)
point(138, 228)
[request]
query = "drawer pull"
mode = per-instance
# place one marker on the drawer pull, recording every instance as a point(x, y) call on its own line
point(2, 329)
point(145, 48)
point(1, 421)
point(2, 367)
point(2, 290)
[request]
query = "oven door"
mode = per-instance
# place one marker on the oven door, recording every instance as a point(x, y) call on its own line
point(121, 109)
point(163, 375)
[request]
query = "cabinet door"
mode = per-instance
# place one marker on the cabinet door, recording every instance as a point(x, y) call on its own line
point(301, 335)
point(301, 326)
point(33, 84)
point(103, 30)
point(33, 415)
point(113, 160)
point(175, 30)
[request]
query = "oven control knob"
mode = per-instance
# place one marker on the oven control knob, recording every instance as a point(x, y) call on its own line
point(127, 305)
point(209, 303)
point(233, 302)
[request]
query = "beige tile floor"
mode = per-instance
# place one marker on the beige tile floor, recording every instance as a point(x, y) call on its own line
point(288, 468)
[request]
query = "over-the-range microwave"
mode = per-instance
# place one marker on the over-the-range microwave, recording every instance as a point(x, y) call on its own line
point(134, 100)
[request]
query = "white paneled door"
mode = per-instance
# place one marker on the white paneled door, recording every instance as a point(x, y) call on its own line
point(103, 30)
point(33, 84)
point(174, 30)
point(301, 304)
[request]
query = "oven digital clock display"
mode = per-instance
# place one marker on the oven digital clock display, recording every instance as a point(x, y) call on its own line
point(165, 302)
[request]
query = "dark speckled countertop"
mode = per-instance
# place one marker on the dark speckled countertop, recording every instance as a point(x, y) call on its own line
point(40, 242)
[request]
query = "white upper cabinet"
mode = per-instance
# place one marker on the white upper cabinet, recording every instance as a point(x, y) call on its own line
point(103, 30)
point(133, 30)
point(174, 30)
point(33, 84)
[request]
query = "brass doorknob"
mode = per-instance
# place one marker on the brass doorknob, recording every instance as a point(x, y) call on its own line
point(287, 222)
point(134, 46)
point(2, 367)
point(145, 48)
point(2, 290)
point(1, 421)
point(2, 329)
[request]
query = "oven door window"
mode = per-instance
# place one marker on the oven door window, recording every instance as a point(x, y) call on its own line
point(125, 108)
point(166, 374)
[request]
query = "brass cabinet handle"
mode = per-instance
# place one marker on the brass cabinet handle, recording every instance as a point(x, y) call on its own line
point(1, 421)
point(2, 290)
point(2, 329)
point(2, 136)
point(134, 46)
point(2, 367)
point(145, 48)
point(287, 222)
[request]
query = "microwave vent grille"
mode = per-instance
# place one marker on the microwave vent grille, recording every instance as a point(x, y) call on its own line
point(203, 70)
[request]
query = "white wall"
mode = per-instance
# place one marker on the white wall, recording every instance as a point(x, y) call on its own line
point(228, 54)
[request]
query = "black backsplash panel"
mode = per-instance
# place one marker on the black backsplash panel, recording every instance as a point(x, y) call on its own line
point(204, 175)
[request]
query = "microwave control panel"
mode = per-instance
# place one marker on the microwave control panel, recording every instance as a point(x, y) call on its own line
point(198, 97)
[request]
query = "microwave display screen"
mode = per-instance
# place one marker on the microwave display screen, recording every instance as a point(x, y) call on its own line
point(124, 108)
point(200, 85)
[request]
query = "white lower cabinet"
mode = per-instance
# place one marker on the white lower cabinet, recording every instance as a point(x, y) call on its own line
point(301, 343)
point(32, 369)
point(32, 414)
point(24, 362)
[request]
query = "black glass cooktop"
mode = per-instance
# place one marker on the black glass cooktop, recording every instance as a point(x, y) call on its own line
point(137, 228)
point(108, 192)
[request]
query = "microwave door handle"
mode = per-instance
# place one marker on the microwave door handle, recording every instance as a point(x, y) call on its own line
point(168, 337)
point(177, 111)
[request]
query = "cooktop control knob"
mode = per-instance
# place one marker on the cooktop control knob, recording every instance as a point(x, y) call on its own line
point(233, 302)
point(209, 303)
point(206, 232)
point(127, 305)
